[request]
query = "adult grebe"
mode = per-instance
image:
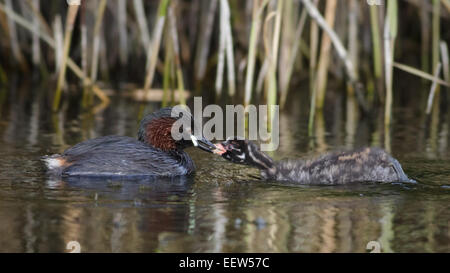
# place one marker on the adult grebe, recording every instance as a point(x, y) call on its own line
point(361, 165)
point(153, 153)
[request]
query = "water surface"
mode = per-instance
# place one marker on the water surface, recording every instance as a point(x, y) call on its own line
point(223, 207)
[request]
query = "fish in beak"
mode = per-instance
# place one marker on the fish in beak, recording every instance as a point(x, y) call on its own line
point(206, 145)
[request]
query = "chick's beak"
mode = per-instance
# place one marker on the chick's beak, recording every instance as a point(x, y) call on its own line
point(220, 149)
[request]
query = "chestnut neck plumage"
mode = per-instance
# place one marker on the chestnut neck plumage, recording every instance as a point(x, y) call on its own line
point(158, 134)
point(155, 131)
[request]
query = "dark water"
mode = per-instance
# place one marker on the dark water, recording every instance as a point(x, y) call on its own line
point(224, 207)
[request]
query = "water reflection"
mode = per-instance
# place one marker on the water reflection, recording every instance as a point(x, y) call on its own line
point(224, 207)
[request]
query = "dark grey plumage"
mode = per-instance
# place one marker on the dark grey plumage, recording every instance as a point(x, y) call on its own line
point(361, 165)
point(124, 156)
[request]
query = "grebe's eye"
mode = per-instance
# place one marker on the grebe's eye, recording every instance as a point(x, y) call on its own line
point(230, 147)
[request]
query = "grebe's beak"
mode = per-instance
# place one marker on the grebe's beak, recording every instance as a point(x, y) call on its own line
point(203, 144)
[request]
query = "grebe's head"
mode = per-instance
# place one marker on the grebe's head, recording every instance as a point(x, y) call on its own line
point(155, 129)
point(243, 151)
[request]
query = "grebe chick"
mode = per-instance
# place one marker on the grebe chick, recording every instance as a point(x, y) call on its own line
point(153, 153)
point(361, 165)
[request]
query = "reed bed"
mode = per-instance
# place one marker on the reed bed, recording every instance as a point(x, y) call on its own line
point(263, 48)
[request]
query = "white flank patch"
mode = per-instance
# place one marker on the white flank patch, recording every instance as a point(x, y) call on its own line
point(53, 163)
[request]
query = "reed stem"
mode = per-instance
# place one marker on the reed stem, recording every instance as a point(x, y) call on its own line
point(70, 20)
point(176, 56)
point(153, 49)
point(273, 60)
point(325, 51)
point(420, 73)
point(168, 59)
point(96, 42)
point(436, 32)
point(390, 33)
point(123, 34)
point(314, 45)
point(36, 49)
point(229, 49)
point(142, 22)
point(205, 41)
point(84, 53)
point(14, 42)
point(353, 33)
point(221, 53)
point(258, 7)
point(425, 37)
point(437, 71)
point(225, 48)
point(285, 78)
point(376, 41)
point(58, 43)
point(445, 61)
